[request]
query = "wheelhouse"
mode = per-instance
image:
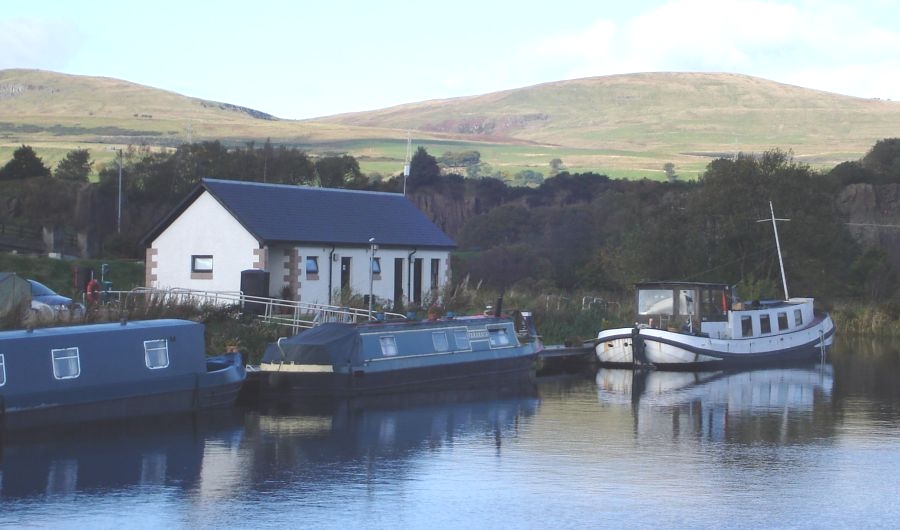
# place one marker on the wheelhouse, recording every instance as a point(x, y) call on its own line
point(679, 306)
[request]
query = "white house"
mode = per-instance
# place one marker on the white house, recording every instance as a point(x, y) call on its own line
point(313, 243)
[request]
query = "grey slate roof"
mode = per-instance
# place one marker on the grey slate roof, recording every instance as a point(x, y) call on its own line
point(300, 214)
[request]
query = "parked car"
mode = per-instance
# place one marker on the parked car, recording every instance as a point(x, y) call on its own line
point(48, 303)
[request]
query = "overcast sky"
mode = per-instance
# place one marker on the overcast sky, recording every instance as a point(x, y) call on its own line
point(297, 59)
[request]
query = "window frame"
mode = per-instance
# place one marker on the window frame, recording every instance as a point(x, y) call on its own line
point(388, 345)
point(195, 265)
point(147, 351)
point(765, 324)
point(312, 273)
point(498, 337)
point(55, 357)
point(798, 318)
point(782, 321)
point(2, 369)
point(746, 326)
point(441, 341)
point(461, 339)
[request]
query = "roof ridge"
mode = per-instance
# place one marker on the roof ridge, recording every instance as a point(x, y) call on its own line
point(297, 186)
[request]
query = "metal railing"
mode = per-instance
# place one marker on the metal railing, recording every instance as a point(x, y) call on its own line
point(294, 314)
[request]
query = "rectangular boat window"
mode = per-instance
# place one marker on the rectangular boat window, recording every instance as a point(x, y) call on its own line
point(746, 326)
point(798, 317)
point(461, 338)
point(156, 353)
point(686, 302)
point(2, 370)
point(388, 346)
point(441, 343)
point(782, 321)
point(655, 302)
point(66, 363)
point(765, 326)
point(499, 337)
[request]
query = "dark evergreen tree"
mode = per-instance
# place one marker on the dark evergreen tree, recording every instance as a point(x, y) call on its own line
point(24, 164)
point(423, 170)
point(75, 166)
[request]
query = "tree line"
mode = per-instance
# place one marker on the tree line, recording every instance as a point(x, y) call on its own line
point(566, 232)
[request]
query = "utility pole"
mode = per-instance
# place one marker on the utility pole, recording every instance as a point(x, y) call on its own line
point(408, 159)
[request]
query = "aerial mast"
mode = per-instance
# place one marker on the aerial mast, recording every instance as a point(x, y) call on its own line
point(778, 247)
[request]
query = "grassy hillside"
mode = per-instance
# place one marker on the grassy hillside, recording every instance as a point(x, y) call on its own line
point(625, 125)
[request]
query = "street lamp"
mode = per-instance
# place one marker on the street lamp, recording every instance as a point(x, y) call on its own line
point(373, 247)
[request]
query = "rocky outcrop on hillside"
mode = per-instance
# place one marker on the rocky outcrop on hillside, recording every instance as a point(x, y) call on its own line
point(873, 213)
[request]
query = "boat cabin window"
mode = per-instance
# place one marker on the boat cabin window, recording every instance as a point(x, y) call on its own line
point(2, 370)
point(765, 326)
point(441, 343)
point(499, 337)
point(655, 302)
point(746, 326)
point(388, 346)
point(156, 353)
point(461, 338)
point(66, 363)
point(686, 302)
point(798, 317)
point(782, 321)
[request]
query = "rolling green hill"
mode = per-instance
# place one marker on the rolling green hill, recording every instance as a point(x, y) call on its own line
point(624, 125)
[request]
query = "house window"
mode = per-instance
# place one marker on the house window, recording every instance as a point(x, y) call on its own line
point(388, 346)
point(202, 263)
point(765, 326)
point(312, 267)
point(156, 353)
point(66, 363)
point(2, 370)
point(798, 317)
point(376, 267)
point(782, 321)
point(746, 326)
point(441, 343)
point(461, 338)
point(499, 337)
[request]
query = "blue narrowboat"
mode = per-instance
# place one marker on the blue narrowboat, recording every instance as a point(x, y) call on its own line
point(105, 371)
point(378, 357)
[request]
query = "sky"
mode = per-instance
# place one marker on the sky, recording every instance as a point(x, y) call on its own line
point(301, 59)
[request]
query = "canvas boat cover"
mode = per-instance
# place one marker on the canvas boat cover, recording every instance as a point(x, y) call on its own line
point(15, 292)
point(330, 344)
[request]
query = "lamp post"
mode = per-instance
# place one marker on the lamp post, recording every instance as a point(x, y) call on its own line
point(119, 200)
point(372, 247)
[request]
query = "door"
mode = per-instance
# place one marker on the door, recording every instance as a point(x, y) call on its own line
point(398, 282)
point(417, 281)
point(345, 273)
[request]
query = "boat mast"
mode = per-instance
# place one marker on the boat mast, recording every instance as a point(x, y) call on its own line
point(778, 247)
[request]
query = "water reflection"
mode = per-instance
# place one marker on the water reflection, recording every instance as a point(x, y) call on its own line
point(781, 405)
point(106, 457)
point(327, 440)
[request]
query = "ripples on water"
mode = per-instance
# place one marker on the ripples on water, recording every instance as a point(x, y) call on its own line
point(813, 446)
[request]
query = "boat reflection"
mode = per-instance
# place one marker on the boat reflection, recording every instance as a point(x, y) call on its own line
point(774, 404)
point(329, 437)
point(105, 457)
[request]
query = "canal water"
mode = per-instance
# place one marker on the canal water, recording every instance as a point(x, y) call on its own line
point(815, 446)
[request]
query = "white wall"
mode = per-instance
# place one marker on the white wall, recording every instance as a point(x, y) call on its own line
point(316, 290)
point(204, 228)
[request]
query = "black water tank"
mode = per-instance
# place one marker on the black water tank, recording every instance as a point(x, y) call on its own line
point(255, 282)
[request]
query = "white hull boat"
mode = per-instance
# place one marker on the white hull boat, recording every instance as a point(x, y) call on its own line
point(690, 324)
